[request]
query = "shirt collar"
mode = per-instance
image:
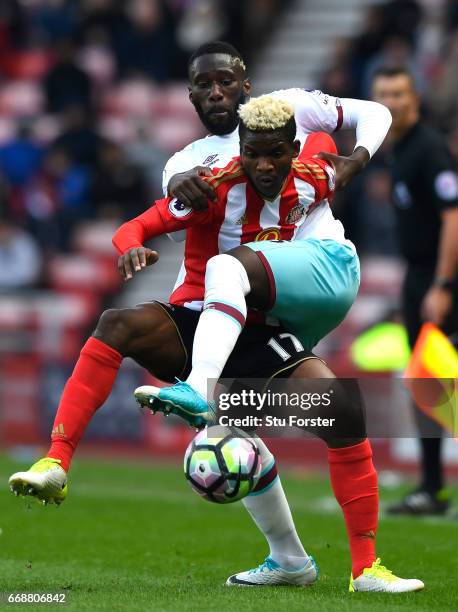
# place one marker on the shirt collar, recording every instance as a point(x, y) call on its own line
point(231, 136)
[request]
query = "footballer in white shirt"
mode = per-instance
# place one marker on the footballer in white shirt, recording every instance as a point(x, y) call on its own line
point(218, 84)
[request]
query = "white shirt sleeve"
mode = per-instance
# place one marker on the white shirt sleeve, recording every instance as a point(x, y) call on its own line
point(317, 111)
point(370, 119)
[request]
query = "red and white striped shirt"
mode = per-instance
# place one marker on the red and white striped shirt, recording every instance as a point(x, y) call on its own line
point(237, 216)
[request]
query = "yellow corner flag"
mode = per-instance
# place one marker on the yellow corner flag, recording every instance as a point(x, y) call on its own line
point(431, 376)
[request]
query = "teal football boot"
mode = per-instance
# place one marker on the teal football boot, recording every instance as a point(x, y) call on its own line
point(180, 399)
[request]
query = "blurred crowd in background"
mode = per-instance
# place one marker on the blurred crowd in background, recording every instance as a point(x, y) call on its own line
point(93, 102)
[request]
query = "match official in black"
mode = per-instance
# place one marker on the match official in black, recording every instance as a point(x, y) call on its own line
point(425, 196)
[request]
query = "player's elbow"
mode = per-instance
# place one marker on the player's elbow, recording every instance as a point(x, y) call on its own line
point(385, 114)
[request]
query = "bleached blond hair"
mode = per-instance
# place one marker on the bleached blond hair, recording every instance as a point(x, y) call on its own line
point(265, 113)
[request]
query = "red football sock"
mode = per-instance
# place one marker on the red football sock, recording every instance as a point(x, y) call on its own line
point(354, 481)
point(86, 390)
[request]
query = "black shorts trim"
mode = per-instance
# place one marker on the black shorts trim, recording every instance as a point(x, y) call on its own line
point(291, 367)
point(166, 309)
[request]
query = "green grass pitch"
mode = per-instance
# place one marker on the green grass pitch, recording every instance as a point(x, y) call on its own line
point(135, 537)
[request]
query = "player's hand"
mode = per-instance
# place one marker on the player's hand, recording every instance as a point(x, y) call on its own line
point(135, 260)
point(191, 189)
point(436, 305)
point(346, 167)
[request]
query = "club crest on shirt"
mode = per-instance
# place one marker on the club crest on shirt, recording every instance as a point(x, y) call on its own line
point(295, 213)
point(178, 209)
point(210, 160)
point(270, 233)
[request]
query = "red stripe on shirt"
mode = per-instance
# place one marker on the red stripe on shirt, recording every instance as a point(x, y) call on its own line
point(289, 199)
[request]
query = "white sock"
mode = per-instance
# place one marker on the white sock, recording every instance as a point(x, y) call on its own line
point(221, 321)
point(271, 513)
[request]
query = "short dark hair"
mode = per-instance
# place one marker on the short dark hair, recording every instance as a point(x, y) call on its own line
point(394, 71)
point(215, 46)
point(289, 130)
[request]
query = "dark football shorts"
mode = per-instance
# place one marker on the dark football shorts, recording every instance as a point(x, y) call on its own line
point(261, 352)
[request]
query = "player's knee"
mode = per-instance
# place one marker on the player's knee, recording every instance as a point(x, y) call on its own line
point(348, 411)
point(115, 328)
point(221, 268)
point(221, 263)
point(341, 411)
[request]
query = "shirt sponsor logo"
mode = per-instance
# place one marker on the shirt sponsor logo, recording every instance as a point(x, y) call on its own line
point(210, 160)
point(402, 197)
point(295, 213)
point(178, 209)
point(446, 185)
point(271, 233)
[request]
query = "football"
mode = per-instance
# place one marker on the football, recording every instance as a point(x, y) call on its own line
point(222, 464)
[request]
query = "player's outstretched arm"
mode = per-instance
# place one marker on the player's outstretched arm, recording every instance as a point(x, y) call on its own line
point(316, 111)
point(371, 121)
point(320, 112)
